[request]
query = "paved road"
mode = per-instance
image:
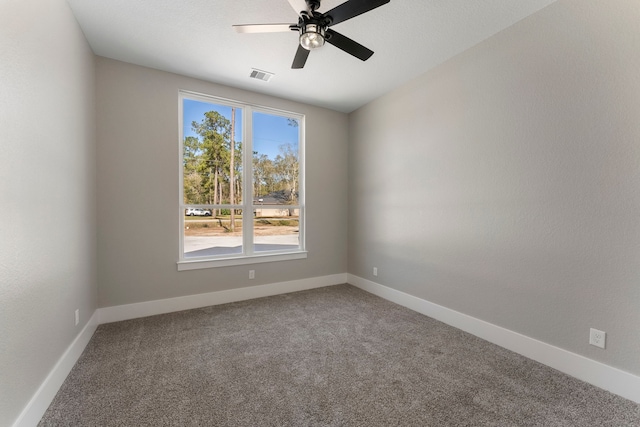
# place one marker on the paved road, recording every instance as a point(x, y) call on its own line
point(197, 246)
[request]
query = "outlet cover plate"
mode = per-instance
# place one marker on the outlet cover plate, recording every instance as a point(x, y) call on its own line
point(597, 338)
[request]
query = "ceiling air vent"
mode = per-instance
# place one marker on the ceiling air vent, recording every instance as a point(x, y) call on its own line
point(265, 76)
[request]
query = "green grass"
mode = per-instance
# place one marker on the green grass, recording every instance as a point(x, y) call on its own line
point(212, 222)
point(278, 222)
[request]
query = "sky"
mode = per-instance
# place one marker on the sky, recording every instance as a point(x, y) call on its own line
point(269, 131)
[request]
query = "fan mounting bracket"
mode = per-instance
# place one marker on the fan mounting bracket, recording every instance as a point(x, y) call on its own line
point(313, 5)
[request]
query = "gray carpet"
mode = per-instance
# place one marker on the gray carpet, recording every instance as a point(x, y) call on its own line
point(334, 356)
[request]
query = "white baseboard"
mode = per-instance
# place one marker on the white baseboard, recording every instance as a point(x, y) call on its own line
point(37, 406)
point(619, 382)
point(604, 376)
point(151, 308)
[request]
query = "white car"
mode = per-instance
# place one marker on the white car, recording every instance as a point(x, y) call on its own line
point(197, 212)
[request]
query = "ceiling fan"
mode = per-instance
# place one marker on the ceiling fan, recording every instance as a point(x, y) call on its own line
point(314, 27)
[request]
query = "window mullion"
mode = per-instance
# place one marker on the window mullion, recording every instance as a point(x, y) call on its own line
point(247, 190)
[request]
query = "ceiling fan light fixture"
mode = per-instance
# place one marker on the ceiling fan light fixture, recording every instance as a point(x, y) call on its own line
point(313, 28)
point(312, 36)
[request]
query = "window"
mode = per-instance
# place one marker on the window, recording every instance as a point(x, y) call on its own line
point(241, 183)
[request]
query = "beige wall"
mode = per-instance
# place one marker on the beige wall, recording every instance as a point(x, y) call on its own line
point(47, 193)
point(138, 189)
point(505, 184)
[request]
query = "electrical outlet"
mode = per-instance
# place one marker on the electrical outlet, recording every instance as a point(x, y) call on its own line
point(597, 338)
point(252, 274)
point(77, 316)
point(375, 271)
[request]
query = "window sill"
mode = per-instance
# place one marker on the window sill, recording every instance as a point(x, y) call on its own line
point(197, 264)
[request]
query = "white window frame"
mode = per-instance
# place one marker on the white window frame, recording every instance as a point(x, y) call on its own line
point(248, 256)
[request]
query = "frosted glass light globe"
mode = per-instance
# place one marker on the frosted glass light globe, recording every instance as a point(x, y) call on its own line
point(312, 37)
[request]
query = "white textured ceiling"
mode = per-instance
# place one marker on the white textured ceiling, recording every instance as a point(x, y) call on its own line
point(195, 38)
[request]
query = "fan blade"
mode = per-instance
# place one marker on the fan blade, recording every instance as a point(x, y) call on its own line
point(299, 5)
point(352, 8)
point(301, 58)
point(348, 45)
point(262, 28)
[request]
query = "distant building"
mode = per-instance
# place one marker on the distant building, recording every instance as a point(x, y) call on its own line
point(274, 206)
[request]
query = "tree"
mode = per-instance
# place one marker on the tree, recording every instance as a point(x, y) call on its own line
point(263, 174)
point(215, 133)
point(232, 145)
point(287, 169)
point(192, 179)
point(212, 174)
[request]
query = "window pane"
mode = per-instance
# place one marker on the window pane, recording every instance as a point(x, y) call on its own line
point(276, 229)
point(208, 235)
point(275, 160)
point(212, 157)
point(215, 180)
